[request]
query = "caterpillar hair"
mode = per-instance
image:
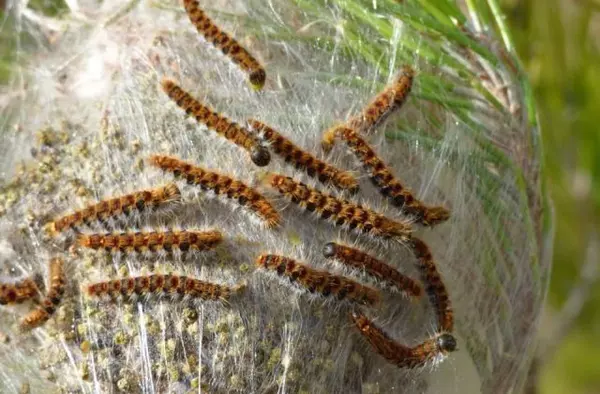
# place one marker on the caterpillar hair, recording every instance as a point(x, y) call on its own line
point(42, 313)
point(431, 351)
point(114, 207)
point(160, 285)
point(339, 212)
point(388, 185)
point(434, 286)
point(356, 258)
point(227, 44)
point(220, 185)
point(154, 241)
point(315, 168)
point(220, 124)
point(316, 281)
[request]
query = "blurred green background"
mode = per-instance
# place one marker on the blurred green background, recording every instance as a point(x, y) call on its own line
point(559, 44)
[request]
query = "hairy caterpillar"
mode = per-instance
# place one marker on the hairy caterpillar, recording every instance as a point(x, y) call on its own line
point(113, 207)
point(358, 259)
point(153, 241)
point(388, 185)
point(221, 185)
point(340, 212)
point(433, 350)
point(434, 286)
point(223, 126)
point(385, 102)
point(316, 281)
point(42, 313)
point(314, 167)
point(18, 292)
point(160, 285)
point(227, 44)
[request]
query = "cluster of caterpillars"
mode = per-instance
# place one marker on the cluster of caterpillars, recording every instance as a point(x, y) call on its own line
point(260, 140)
point(116, 210)
point(258, 136)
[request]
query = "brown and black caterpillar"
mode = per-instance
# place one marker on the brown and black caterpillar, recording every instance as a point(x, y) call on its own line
point(220, 124)
point(227, 44)
point(316, 281)
point(431, 351)
point(339, 212)
point(385, 181)
point(221, 185)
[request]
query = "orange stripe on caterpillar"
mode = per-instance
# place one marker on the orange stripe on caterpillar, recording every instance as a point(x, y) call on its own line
point(113, 207)
point(388, 185)
point(42, 313)
point(434, 286)
point(433, 350)
point(18, 292)
point(161, 285)
point(227, 44)
point(153, 241)
point(314, 167)
point(220, 124)
point(316, 281)
point(340, 212)
point(385, 102)
point(221, 185)
point(358, 259)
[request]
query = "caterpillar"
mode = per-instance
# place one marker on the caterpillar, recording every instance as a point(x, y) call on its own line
point(316, 281)
point(114, 207)
point(358, 259)
point(18, 292)
point(385, 102)
point(388, 185)
point(42, 313)
point(227, 44)
point(220, 124)
point(301, 159)
point(160, 285)
point(434, 286)
point(153, 241)
point(340, 212)
point(220, 185)
point(432, 350)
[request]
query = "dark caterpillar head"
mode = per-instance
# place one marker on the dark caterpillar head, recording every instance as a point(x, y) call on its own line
point(446, 343)
point(329, 249)
point(257, 78)
point(260, 156)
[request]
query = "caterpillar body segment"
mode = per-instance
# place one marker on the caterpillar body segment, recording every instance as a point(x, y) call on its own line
point(18, 292)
